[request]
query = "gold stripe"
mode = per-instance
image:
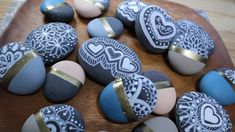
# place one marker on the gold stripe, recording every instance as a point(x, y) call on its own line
point(144, 127)
point(97, 4)
point(227, 79)
point(123, 99)
point(188, 53)
point(50, 7)
point(17, 67)
point(41, 124)
point(65, 76)
point(107, 27)
point(163, 84)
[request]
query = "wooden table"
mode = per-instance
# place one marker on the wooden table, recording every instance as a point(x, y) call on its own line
point(29, 104)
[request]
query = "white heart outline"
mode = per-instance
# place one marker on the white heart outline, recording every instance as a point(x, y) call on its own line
point(130, 63)
point(146, 33)
point(92, 47)
point(165, 23)
point(207, 105)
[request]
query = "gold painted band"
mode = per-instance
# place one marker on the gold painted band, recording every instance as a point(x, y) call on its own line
point(188, 54)
point(144, 127)
point(65, 76)
point(123, 99)
point(227, 79)
point(97, 4)
point(107, 27)
point(17, 67)
point(41, 124)
point(51, 7)
point(163, 85)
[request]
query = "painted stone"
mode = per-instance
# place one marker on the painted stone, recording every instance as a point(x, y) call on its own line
point(69, 77)
point(55, 118)
point(165, 91)
point(155, 29)
point(107, 27)
point(57, 11)
point(220, 85)
point(128, 99)
point(91, 8)
point(127, 12)
point(53, 41)
point(156, 124)
point(198, 112)
point(22, 69)
point(106, 59)
point(190, 49)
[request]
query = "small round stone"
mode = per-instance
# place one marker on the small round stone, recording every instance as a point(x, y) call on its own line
point(219, 84)
point(107, 27)
point(106, 59)
point(207, 115)
point(141, 99)
point(128, 11)
point(190, 48)
point(91, 8)
point(57, 118)
point(69, 77)
point(166, 92)
point(157, 124)
point(22, 70)
point(155, 29)
point(57, 11)
point(53, 41)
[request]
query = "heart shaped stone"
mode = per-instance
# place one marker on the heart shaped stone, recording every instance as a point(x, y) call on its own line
point(155, 29)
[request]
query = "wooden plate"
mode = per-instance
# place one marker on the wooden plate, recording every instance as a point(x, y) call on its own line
point(14, 109)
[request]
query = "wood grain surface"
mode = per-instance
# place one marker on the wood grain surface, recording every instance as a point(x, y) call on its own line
point(16, 109)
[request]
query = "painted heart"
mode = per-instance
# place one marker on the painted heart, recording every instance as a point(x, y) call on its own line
point(127, 65)
point(158, 26)
point(95, 49)
point(133, 5)
point(163, 29)
point(113, 54)
point(210, 117)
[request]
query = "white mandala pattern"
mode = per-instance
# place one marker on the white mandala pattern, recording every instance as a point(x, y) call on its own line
point(197, 112)
point(53, 41)
point(62, 118)
point(10, 54)
point(130, 9)
point(192, 37)
point(141, 93)
point(230, 73)
point(111, 55)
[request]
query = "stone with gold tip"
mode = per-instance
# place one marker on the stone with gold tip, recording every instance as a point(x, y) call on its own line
point(57, 11)
point(55, 118)
point(166, 92)
point(190, 49)
point(156, 124)
point(91, 8)
point(128, 99)
point(69, 77)
point(107, 27)
point(21, 69)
